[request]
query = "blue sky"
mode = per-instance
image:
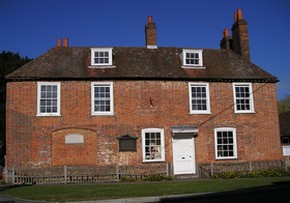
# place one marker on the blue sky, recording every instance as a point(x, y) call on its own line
point(32, 27)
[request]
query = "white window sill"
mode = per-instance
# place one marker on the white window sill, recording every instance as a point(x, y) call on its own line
point(199, 112)
point(153, 161)
point(102, 114)
point(95, 66)
point(226, 158)
point(192, 67)
point(48, 115)
point(245, 112)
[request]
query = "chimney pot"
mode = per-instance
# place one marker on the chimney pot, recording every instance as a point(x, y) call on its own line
point(238, 15)
point(59, 42)
point(149, 19)
point(226, 33)
point(65, 44)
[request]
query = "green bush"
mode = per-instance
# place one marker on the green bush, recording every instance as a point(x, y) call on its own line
point(153, 177)
point(157, 177)
point(254, 174)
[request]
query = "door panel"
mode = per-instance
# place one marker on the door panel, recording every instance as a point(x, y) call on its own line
point(183, 154)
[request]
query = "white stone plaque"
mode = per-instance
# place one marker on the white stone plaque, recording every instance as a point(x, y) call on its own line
point(74, 139)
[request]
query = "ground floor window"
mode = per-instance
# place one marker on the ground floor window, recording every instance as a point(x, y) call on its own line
point(153, 144)
point(225, 143)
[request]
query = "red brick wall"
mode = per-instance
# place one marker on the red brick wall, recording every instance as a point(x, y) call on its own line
point(35, 140)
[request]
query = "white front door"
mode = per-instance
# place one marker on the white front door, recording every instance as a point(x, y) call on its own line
point(183, 154)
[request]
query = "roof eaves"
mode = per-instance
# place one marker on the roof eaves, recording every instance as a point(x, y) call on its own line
point(254, 80)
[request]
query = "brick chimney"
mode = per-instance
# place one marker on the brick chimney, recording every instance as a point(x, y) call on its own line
point(150, 34)
point(226, 42)
point(240, 39)
point(239, 42)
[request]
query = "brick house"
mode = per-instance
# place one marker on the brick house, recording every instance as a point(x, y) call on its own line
point(143, 105)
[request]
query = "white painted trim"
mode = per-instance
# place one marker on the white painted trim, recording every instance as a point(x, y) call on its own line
point(152, 47)
point(206, 85)
point(195, 66)
point(100, 113)
point(234, 142)
point(39, 84)
point(149, 130)
point(101, 66)
point(102, 49)
point(251, 98)
point(184, 129)
point(192, 67)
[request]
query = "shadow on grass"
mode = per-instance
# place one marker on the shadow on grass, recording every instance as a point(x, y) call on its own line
point(8, 187)
point(270, 193)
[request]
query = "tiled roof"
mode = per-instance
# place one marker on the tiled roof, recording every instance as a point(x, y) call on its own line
point(164, 63)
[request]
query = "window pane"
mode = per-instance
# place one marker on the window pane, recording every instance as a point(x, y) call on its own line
point(102, 98)
point(192, 58)
point(48, 99)
point(199, 98)
point(243, 98)
point(101, 57)
point(153, 146)
point(225, 143)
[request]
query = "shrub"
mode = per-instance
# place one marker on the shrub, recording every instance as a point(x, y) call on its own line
point(153, 177)
point(254, 174)
point(157, 177)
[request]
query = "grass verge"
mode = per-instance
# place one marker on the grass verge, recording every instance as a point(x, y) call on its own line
point(85, 192)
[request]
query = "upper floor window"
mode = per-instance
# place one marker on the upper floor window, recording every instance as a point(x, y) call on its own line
point(199, 98)
point(225, 143)
point(192, 58)
point(243, 96)
point(101, 56)
point(153, 145)
point(102, 98)
point(48, 98)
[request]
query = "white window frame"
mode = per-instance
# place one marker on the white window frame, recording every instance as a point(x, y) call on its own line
point(153, 130)
point(39, 85)
point(206, 85)
point(192, 51)
point(226, 129)
point(100, 113)
point(251, 98)
point(104, 49)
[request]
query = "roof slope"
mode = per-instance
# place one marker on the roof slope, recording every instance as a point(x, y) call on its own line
point(72, 63)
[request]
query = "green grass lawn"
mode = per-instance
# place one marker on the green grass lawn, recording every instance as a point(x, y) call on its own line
point(83, 192)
